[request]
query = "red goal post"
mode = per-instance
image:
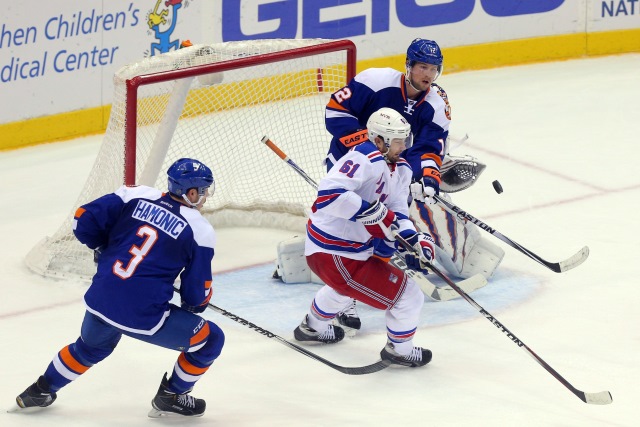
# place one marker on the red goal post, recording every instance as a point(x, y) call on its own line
point(214, 103)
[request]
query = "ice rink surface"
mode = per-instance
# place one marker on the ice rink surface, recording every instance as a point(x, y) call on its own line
point(561, 137)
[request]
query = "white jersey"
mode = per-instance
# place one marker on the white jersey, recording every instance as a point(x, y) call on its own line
point(360, 177)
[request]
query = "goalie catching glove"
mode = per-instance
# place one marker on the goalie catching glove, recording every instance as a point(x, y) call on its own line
point(377, 219)
point(424, 246)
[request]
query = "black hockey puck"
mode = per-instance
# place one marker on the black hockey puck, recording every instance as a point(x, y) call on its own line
point(497, 186)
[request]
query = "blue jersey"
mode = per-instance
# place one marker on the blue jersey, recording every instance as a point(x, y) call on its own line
point(148, 240)
point(350, 107)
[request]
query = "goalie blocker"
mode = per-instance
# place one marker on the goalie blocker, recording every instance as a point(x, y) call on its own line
point(460, 249)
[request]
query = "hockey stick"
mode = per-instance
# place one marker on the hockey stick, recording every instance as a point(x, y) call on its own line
point(559, 267)
point(600, 398)
point(287, 160)
point(444, 293)
point(358, 370)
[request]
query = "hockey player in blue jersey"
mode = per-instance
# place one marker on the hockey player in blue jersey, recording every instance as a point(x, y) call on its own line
point(421, 102)
point(361, 198)
point(413, 94)
point(145, 239)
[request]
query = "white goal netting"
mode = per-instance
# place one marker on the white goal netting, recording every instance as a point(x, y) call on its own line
point(215, 103)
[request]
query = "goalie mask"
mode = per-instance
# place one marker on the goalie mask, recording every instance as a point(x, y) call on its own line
point(389, 125)
point(185, 174)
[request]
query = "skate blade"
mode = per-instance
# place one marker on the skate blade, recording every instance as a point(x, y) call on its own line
point(156, 413)
point(20, 409)
point(348, 332)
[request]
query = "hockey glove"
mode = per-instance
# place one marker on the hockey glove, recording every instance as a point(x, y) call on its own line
point(377, 219)
point(428, 187)
point(198, 308)
point(424, 246)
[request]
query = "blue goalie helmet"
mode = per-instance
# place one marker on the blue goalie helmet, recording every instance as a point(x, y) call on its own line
point(185, 174)
point(427, 51)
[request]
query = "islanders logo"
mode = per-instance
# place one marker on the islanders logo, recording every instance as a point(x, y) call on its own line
point(162, 20)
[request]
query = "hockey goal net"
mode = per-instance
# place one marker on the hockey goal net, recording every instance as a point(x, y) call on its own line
point(215, 103)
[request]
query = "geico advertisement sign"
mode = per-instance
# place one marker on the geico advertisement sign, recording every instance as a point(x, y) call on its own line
point(246, 20)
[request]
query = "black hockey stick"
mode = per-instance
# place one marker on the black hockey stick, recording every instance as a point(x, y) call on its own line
point(443, 293)
point(559, 267)
point(600, 398)
point(358, 370)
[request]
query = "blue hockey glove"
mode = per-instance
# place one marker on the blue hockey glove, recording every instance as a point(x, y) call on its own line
point(198, 308)
point(424, 246)
point(195, 309)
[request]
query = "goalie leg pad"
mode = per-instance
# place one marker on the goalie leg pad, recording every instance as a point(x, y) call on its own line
point(291, 264)
point(483, 258)
point(460, 249)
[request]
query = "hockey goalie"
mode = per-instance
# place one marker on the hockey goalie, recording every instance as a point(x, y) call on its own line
point(460, 249)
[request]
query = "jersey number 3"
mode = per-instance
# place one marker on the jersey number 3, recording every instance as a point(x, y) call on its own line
point(139, 252)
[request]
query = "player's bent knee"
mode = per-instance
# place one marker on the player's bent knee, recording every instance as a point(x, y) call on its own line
point(213, 346)
point(90, 354)
point(412, 298)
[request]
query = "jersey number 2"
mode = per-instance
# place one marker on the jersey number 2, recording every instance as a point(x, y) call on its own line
point(138, 252)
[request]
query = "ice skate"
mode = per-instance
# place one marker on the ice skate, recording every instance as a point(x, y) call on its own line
point(305, 333)
point(37, 395)
point(167, 403)
point(349, 319)
point(418, 356)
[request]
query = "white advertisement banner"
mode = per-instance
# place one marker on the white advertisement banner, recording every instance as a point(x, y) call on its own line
point(60, 56)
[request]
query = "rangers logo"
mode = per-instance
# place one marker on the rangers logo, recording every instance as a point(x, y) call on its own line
point(393, 278)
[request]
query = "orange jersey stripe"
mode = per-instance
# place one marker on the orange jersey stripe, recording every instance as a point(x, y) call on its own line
point(200, 336)
point(207, 284)
point(334, 104)
point(190, 368)
point(433, 157)
point(71, 362)
point(79, 212)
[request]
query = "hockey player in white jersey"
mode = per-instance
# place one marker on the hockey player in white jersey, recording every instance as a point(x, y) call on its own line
point(363, 197)
point(425, 105)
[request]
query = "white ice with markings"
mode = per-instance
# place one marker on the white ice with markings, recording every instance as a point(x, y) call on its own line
point(562, 139)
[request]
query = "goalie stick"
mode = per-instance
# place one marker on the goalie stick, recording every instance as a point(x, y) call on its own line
point(600, 398)
point(357, 370)
point(558, 267)
point(434, 292)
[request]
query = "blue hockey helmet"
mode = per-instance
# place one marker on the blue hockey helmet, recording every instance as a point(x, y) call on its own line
point(427, 51)
point(186, 173)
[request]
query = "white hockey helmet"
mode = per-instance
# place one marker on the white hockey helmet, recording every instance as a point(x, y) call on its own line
point(388, 124)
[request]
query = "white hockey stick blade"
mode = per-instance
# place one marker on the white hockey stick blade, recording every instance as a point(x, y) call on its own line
point(15, 408)
point(444, 293)
point(602, 398)
point(574, 261)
